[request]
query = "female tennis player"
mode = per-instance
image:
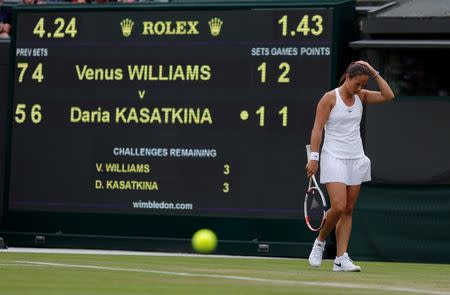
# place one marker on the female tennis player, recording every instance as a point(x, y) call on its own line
point(343, 165)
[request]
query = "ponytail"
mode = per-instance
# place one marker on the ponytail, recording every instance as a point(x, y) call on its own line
point(342, 80)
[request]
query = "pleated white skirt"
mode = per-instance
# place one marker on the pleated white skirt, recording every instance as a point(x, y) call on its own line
point(348, 171)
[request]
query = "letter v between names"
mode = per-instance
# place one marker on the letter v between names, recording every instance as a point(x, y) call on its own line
point(141, 93)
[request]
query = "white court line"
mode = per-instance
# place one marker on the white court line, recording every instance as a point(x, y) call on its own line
point(242, 278)
point(127, 253)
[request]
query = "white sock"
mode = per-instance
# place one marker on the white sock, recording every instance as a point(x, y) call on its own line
point(321, 244)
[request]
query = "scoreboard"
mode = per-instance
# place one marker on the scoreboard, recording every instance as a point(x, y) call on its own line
point(161, 110)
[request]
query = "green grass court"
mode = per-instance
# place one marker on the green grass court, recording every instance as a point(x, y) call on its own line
point(47, 274)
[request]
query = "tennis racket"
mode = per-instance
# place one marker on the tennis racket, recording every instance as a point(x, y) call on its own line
point(315, 205)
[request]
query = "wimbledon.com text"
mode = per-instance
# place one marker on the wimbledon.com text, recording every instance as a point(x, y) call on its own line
point(161, 205)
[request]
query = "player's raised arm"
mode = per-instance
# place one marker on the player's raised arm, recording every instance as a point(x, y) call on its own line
point(384, 95)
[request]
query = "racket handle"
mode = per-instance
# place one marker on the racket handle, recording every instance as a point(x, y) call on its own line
point(308, 152)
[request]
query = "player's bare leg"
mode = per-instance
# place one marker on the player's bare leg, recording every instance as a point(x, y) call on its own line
point(338, 196)
point(337, 192)
point(344, 225)
point(343, 230)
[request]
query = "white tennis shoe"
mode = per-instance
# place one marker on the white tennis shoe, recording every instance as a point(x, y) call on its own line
point(315, 257)
point(344, 263)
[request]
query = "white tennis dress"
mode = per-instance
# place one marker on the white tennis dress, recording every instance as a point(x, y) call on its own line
point(342, 158)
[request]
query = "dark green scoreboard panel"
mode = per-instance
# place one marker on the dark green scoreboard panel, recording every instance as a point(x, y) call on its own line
point(170, 112)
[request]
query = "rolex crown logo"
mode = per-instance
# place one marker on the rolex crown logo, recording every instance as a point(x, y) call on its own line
point(127, 26)
point(215, 24)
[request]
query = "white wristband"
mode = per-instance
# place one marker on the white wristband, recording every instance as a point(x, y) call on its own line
point(314, 156)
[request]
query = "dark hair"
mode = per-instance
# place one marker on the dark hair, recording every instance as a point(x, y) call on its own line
point(354, 69)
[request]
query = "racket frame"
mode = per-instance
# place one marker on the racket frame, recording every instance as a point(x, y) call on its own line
point(312, 181)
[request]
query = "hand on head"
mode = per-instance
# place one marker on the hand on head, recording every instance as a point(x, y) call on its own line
point(373, 72)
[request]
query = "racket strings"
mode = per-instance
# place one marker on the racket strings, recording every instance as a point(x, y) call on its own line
point(315, 208)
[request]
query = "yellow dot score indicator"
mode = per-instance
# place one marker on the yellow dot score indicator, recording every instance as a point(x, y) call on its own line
point(244, 115)
point(292, 33)
point(49, 35)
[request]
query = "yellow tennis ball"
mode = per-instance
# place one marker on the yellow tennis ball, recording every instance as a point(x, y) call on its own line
point(204, 241)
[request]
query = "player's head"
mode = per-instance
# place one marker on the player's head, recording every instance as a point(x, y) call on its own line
point(355, 77)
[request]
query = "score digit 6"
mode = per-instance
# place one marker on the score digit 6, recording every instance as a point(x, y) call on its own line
point(20, 114)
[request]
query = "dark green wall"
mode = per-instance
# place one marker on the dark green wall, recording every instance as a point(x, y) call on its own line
point(402, 223)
